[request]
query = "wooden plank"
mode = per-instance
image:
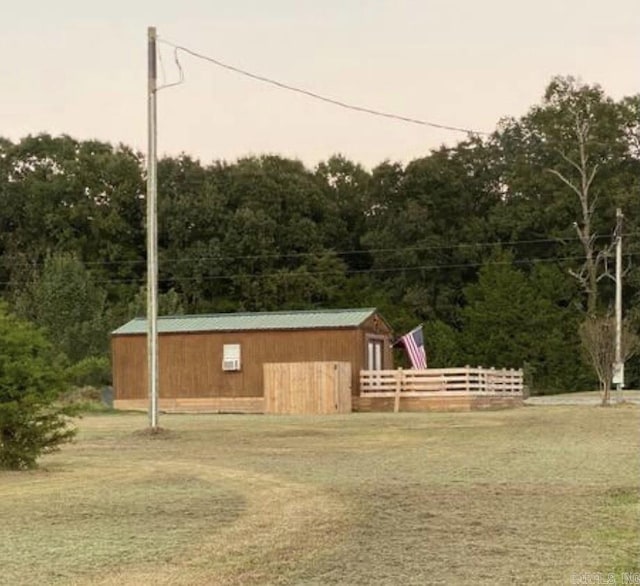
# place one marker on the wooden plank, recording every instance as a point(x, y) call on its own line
point(440, 403)
point(429, 393)
point(196, 405)
point(473, 381)
point(307, 388)
point(343, 388)
point(415, 394)
point(398, 390)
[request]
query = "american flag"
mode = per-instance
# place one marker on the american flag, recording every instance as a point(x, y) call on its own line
point(414, 343)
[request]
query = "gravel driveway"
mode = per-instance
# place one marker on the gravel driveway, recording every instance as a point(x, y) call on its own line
point(584, 398)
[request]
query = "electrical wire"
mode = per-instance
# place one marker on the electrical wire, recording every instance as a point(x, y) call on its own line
point(180, 81)
point(338, 253)
point(314, 95)
point(347, 272)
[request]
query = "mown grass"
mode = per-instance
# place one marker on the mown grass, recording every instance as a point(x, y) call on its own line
point(527, 496)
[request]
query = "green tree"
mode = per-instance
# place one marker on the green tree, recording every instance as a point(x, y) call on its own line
point(169, 303)
point(442, 344)
point(274, 250)
point(426, 225)
point(31, 422)
point(85, 198)
point(513, 319)
point(193, 216)
point(566, 165)
point(64, 299)
point(345, 187)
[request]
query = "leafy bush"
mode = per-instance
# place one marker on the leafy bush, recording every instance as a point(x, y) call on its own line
point(92, 371)
point(86, 399)
point(32, 422)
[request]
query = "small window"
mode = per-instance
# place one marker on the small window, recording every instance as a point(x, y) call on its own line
point(231, 357)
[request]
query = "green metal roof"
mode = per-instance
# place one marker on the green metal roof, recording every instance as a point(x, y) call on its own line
point(233, 322)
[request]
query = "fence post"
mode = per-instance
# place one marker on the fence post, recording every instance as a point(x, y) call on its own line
point(396, 401)
point(467, 378)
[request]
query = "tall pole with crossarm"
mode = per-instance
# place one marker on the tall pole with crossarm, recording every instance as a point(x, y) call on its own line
point(152, 233)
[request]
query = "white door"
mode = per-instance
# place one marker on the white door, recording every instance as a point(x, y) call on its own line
point(374, 355)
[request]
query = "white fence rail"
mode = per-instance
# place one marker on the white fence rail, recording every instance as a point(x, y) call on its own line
point(441, 382)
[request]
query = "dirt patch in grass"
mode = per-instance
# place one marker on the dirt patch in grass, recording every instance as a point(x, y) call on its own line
point(155, 433)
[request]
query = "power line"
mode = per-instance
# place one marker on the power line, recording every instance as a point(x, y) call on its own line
point(338, 253)
point(348, 272)
point(314, 95)
point(432, 267)
point(176, 60)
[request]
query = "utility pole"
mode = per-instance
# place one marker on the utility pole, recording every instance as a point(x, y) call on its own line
point(619, 365)
point(152, 233)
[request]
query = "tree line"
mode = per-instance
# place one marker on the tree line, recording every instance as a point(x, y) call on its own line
point(500, 245)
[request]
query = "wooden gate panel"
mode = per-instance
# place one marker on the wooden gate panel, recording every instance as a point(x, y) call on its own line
point(307, 388)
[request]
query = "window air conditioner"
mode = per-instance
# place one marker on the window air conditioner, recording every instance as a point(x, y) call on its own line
point(231, 364)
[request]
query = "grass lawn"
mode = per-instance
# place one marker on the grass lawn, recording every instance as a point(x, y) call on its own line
point(531, 495)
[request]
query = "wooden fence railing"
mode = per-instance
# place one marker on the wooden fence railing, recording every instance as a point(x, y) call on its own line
point(441, 382)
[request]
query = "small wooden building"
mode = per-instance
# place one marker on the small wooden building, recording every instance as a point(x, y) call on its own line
point(216, 362)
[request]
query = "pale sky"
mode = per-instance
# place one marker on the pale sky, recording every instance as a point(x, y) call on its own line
point(79, 67)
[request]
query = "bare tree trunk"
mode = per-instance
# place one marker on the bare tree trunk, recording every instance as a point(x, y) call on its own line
point(598, 342)
point(606, 394)
point(587, 276)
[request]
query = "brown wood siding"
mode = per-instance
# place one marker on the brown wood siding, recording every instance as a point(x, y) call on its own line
point(129, 360)
point(191, 363)
point(374, 324)
point(376, 327)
